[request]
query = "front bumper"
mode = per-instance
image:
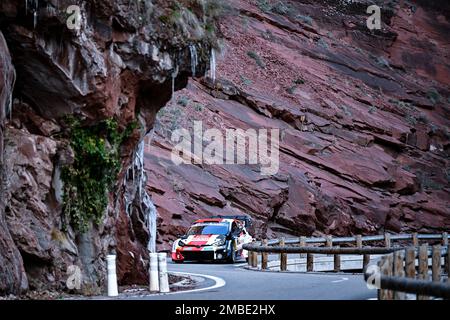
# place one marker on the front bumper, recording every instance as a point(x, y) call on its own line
point(206, 253)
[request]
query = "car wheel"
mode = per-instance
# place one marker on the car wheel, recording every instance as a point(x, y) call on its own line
point(178, 261)
point(232, 258)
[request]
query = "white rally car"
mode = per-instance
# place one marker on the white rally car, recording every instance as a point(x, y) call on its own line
point(218, 238)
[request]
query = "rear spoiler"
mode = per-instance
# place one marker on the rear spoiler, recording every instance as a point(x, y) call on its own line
point(246, 219)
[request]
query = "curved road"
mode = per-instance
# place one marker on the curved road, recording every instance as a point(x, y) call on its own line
point(243, 284)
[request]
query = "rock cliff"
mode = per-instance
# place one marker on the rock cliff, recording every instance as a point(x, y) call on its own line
point(91, 76)
point(364, 118)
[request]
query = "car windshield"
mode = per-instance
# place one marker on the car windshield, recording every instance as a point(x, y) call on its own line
point(208, 229)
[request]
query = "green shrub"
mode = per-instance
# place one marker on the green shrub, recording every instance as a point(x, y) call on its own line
point(264, 5)
point(291, 90)
point(427, 182)
point(412, 120)
point(199, 107)
point(257, 59)
point(322, 43)
point(183, 101)
point(434, 96)
point(245, 81)
point(281, 8)
point(305, 19)
point(94, 171)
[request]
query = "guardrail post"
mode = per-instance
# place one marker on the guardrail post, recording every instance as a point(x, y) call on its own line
point(337, 262)
point(445, 239)
point(415, 239)
point(423, 267)
point(163, 276)
point(309, 262)
point(283, 256)
point(447, 263)
point(387, 240)
point(302, 244)
point(254, 259)
point(329, 241)
point(410, 262)
point(445, 244)
point(329, 244)
point(436, 263)
point(264, 256)
point(386, 267)
point(399, 271)
point(366, 257)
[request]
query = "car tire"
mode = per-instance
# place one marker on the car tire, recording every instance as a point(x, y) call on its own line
point(232, 257)
point(178, 261)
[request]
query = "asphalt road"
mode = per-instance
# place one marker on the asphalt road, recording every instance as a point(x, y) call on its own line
point(242, 284)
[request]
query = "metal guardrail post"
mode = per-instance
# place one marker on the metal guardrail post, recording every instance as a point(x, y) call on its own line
point(283, 256)
point(264, 256)
point(423, 267)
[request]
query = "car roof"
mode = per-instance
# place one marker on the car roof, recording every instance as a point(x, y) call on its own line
point(214, 220)
point(220, 220)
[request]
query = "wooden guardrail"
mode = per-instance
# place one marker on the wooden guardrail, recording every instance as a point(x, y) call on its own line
point(333, 246)
point(396, 271)
point(407, 271)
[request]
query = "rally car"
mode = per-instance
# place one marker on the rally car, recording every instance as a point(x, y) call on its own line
point(218, 238)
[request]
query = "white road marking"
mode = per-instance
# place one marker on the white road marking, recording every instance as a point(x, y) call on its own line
point(219, 282)
point(340, 280)
point(240, 265)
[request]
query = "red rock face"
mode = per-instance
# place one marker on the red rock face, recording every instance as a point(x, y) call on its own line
point(13, 277)
point(119, 64)
point(364, 119)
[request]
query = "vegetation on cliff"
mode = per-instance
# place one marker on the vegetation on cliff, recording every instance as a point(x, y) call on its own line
point(94, 171)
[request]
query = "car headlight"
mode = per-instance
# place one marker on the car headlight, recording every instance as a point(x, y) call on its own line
point(181, 243)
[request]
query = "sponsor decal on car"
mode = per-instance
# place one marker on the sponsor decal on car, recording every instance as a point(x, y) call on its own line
point(212, 239)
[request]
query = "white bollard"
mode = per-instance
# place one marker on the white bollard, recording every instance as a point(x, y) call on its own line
point(112, 276)
point(163, 276)
point(153, 272)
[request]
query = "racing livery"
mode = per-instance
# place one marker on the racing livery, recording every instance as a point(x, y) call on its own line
point(215, 239)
